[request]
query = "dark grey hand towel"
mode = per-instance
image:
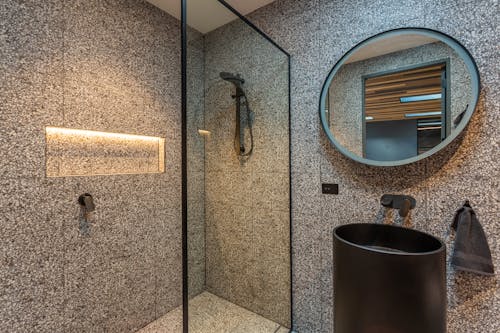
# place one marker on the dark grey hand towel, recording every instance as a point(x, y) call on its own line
point(471, 252)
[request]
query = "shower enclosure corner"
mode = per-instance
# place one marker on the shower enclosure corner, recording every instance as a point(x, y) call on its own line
point(236, 173)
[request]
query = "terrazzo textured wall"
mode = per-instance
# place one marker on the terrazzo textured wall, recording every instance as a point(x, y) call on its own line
point(100, 65)
point(247, 198)
point(346, 90)
point(195, 118)
point(317, 33)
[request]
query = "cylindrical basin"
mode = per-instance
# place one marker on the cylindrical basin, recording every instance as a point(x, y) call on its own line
point(388, 279)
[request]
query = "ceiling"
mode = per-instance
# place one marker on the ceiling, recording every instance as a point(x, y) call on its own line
point(390, 45)
point(207, 15)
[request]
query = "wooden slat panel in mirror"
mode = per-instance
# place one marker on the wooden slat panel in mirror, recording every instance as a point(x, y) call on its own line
point(383, 93)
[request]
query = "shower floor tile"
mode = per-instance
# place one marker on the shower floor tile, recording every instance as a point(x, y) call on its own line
point(211, 314)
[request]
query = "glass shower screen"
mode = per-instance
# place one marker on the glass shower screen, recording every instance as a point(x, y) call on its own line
point(237, 174)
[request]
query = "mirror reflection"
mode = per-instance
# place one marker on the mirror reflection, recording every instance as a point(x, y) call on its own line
point(397, 97)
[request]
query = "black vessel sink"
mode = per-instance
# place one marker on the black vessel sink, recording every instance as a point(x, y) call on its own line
point(388, 279)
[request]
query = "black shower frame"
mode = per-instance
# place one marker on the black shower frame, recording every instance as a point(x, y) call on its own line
point(185, 298)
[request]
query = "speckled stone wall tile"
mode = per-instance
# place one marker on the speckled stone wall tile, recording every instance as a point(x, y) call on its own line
point(271, 155)
point(218, 187)
point(275, 21)
point(388, 14)
point(221, 42)
point(245, 197)
point(274, 277)
point(31, 282)
point(168, 292)
point(270, 191)
point(305, 190)
point(86, 287)
point(229, 252)
point(307, 252)
point(466, 168)
point(140, 277)
point(93, 65)
point(271, 235)
point(472, 316)
point(271, 242)
point(304, 152)
point(305, 124)
point(23, 313)
point(454, 19)
point(29, 62)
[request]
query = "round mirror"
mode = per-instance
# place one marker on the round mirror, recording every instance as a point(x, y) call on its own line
point(399, 96)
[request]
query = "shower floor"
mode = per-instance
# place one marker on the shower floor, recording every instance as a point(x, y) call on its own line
point(211, 314)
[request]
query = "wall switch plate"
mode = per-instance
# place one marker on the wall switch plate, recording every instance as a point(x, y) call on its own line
point(330, 188)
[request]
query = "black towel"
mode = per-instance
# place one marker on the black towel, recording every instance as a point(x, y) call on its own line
point(471, 252)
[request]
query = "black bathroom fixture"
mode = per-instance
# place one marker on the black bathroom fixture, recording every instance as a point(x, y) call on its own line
point(239, 96)
point(86, 202)
point(403, 203)
point(237, 80)
point(87, 205)
point(390, 128)
point(388, 279)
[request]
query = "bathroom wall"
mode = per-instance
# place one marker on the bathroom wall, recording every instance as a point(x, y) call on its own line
point(346, 90)
point(195, 117)
point(99, 65)
point(247, 198)
point(317, 33)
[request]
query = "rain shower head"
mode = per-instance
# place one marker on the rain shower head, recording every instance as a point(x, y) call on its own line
point(234, 79)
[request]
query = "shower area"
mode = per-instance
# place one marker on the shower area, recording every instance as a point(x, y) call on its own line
point(130, 202)
point(237, 174)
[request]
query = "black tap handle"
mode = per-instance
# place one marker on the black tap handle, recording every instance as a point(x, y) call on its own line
point(386, 200)
point(86, 201)
point(405, 207)
point(398, 201)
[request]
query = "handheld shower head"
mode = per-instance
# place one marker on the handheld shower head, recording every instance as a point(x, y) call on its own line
point(237, 80)
point(239, 136)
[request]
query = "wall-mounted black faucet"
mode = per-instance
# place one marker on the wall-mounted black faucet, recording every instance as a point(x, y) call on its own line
point(87, 202)
point(87, 206)
point(398, 201)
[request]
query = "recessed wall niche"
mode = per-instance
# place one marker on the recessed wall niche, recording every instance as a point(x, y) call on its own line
point(76, 152)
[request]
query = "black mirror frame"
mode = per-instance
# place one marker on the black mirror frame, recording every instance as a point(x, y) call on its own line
point(448, 40)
